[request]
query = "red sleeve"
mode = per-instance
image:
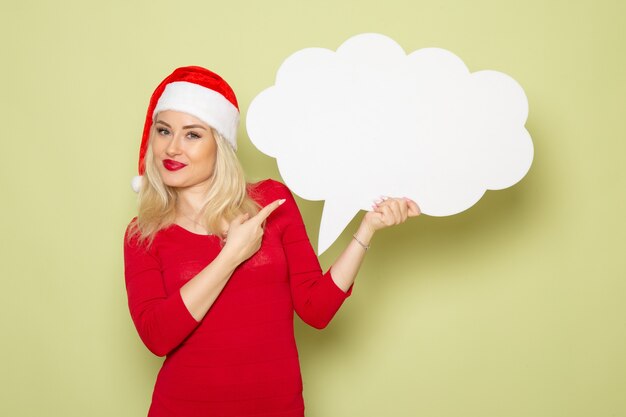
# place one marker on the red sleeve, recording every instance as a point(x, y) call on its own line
point(162, 321)
point(316, 297)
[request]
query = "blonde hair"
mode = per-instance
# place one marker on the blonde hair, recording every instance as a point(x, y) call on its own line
point(227, 196)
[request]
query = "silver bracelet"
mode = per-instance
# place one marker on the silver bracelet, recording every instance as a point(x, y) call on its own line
point(366, 247)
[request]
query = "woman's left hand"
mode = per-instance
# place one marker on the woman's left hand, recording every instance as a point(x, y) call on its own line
point(390, 211)
point(385, 212)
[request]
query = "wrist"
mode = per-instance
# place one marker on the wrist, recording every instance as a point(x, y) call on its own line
point(364, 234)
point(229, 258)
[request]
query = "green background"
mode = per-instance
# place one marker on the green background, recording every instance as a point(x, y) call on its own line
point(512, 308)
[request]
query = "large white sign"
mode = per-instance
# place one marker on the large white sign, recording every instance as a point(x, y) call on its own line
point(370, 120)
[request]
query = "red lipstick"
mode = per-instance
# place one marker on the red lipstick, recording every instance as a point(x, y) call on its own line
point(171, 165)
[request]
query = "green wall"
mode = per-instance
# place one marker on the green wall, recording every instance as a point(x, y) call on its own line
point(513, 308)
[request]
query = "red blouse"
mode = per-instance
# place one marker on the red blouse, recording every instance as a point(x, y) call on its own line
point(241, 358)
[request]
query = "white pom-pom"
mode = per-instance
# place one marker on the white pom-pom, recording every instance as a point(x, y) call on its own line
point(136, 183)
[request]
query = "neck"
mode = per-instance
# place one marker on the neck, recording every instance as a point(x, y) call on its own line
point(190, 202)
point(188, 215)
point(189, 205)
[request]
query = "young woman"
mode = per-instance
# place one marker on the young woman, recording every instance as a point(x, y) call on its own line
point(215, 267)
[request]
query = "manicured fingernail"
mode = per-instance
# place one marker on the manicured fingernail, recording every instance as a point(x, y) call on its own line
point(281, 201)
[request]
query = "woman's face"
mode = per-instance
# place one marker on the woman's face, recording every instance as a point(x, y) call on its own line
point(184, 149)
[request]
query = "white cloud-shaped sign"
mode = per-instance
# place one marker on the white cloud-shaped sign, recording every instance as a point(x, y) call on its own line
point(370, 120)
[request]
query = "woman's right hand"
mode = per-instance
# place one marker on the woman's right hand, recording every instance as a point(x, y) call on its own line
point(245, 234)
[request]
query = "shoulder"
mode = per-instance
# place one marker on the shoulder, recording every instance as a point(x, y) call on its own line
point(131, 230)
point(268, 190)
point(134, 240)
point(132, 236)
point(132, 223)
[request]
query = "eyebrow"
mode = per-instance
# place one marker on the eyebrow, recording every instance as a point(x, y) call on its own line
point(184, 127)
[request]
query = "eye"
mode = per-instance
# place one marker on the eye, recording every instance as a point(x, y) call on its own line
point(193, 135)
point(162, 131)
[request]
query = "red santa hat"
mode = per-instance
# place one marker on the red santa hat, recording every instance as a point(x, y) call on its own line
point(198, 92)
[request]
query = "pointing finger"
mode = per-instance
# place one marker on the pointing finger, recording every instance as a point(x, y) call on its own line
point(267, 210)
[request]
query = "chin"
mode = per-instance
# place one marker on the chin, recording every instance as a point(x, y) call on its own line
point(172, 180)
point(172, 184)
point(179, 180)
point(175, 184)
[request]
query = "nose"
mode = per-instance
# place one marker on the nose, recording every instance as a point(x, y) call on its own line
point(174, 146)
